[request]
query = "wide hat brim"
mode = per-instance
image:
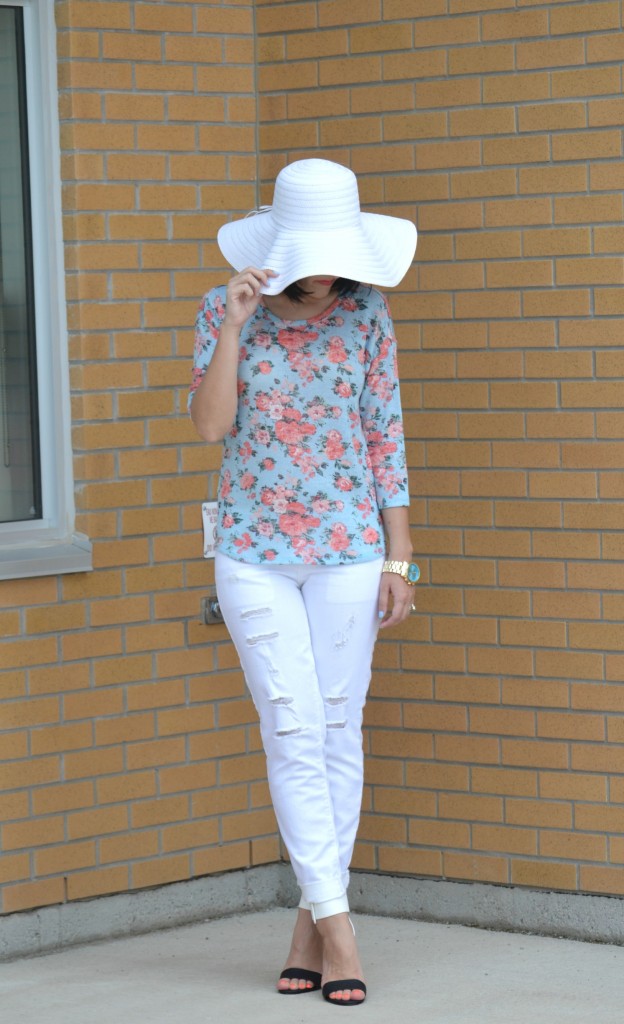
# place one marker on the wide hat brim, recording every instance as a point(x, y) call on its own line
point(315, 226)
point(379, 251)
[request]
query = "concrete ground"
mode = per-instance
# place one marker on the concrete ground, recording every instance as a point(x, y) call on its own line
point(224, 970)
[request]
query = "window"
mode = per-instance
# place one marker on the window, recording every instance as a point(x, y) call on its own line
point(20, 478)
point(36, 483)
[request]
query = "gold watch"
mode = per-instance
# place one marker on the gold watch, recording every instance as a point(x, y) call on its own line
point(408, 571)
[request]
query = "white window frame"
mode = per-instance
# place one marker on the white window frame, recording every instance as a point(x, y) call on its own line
point(49, 545)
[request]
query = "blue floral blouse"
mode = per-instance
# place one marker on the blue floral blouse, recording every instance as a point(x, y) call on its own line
point(317, 446)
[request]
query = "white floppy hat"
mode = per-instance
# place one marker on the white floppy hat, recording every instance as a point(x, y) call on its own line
point(315, 226)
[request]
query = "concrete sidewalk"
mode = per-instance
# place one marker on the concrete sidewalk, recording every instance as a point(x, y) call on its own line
point(225, 970)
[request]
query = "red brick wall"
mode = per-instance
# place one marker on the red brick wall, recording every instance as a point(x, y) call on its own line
point(130, 755)
point(494, 736)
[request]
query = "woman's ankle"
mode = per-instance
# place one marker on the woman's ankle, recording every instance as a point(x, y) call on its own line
point(336, 929)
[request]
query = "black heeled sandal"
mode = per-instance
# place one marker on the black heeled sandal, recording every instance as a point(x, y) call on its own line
point(339, 986)
point(304, 975)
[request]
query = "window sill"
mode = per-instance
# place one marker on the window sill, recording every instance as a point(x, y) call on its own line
point(51, 559)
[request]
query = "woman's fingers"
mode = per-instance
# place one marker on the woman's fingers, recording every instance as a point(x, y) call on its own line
point(246, 289)
point(244, 286)
point(243, 293)
point(395, 600)
point(384, 594)
point(253, 277)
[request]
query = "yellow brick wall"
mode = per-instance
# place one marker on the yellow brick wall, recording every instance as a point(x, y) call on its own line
point(130, 752)
point(495, 734)
point(130, 755)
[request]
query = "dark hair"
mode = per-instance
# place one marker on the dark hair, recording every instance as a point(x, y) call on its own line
point(342, 285)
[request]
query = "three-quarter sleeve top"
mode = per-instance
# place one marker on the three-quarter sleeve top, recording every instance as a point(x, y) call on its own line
point(316, 449)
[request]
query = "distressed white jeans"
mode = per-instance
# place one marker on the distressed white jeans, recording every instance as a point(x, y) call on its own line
point(305, 636)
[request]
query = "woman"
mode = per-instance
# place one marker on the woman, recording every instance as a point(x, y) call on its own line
point(295, 369)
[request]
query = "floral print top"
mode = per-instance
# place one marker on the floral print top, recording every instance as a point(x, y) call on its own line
point(317, 445)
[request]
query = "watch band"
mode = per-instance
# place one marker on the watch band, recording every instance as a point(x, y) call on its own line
point(408, 571)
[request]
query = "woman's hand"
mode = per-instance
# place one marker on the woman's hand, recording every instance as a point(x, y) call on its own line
point(395, 595)
point(243, 295)
point(395, 599)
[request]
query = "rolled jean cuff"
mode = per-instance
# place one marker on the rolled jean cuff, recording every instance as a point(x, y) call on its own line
point(318, 892)
point(327, 908)
point(340, 905)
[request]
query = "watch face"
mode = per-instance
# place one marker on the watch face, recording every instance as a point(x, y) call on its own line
point(413, 572)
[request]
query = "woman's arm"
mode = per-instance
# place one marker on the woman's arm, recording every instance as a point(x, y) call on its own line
point(380, 409)
point(213, 408)
point(396, 523)
point(395, 595)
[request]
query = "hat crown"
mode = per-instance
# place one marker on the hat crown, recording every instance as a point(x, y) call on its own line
point(316, 195)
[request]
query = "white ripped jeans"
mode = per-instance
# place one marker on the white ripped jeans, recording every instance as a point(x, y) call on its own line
point(305, 636)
